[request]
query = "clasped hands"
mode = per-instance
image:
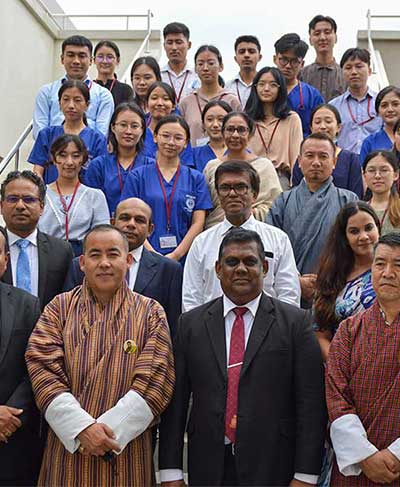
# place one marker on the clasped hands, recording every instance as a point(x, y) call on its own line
point(9, 422)
point(382, 467)
point(97, 439)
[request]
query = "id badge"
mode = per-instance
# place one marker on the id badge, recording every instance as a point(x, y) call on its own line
point(168, 242)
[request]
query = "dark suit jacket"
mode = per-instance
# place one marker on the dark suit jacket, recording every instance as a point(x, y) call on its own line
point(20, 458)
point(55, 256)
point(281, 404)
point(158, 278)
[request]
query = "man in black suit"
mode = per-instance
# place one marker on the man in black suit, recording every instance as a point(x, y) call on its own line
point(255, 371)
point(151, 274)
point(20, 444)
point(38, 262)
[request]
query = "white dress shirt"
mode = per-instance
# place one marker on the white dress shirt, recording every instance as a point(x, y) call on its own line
point(32, 251)
point(200, 281)
point(187, 76)
point(133, 270)
point(240, 89)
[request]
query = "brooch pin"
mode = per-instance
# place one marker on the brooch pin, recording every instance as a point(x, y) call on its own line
point(130, 346)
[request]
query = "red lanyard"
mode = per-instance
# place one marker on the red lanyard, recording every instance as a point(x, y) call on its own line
point(198, 102)
point(301, 104)
point(112, 84)
point(370, 117)
point(237, 91)
point(121, 184)
point(178, 97)
point(383, 217)
point(267, 147)
point(66, 207)
point(168, 203)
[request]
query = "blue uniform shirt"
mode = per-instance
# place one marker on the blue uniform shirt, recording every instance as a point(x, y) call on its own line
point(303, 99)
point(377, 141)
point(95, 142)
point(102, 173)
point(202, 155)
point(191, 194)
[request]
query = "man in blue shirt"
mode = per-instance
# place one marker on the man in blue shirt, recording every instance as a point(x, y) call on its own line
point(76, 56)
point(357, 104)
point(290, 52)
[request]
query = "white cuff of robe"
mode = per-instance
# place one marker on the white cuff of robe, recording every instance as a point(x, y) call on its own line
point(305, 477)
point(128, 418)
point(350, 443)
point(171, 474)
point(395, 448)
point(67, 419)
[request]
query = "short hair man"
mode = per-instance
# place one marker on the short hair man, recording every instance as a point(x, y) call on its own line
point(247, 56)
point(101, 366)
point(255, 371)
point(307, 211)
point(290, 52)
point(357, 104)
point(237, 184)
point(38, 262)
point(325, 74)
point(150, 274)
point(21, 447)
point(362, 382)
point(76, 56)
point(176, 72)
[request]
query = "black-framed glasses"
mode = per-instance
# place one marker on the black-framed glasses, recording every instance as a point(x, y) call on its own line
point(294, 61)
point(240, 189)
point(241, 130)
point(13, 199)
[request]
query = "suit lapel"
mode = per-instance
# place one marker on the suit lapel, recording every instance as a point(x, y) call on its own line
point(262, 323)
point(216, 329)
point(147, 270)
point(43, 254)
point(6, 319)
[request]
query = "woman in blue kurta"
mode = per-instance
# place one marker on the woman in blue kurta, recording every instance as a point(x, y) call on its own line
point(126, 136)
point(177, 194)
point(347, 173)
point(212, 116)
point(161, 101)
point(74, 99)
point(387, 105)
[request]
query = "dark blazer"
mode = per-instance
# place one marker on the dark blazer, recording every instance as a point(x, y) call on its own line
point(281, 405)
point(20, 458)
point(55, 256)
point(158, 277)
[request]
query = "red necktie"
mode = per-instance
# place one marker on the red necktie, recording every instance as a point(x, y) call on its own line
point(236, 354)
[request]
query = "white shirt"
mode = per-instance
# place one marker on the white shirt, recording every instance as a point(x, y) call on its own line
point(133, 270)
point(187, 77)
point(200, 281)
point(240, 89)
point(32, 251)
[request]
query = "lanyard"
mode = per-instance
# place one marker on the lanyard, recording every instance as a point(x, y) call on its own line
point(301, 104)
point(370, 117)
point(198, 102)
point(267, 147)
point(148, 121)
point(168, 203)
point(237, 91)
point(112, 85)
point(66, 207)
point(121, 184)
point(383, 217)
point(178, 97)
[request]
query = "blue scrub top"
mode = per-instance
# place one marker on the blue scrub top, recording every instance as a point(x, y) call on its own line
point(102, 173)
point(311, 99)
point(191, 194)
point(95, 143)
point(377, 141)
point(150, 150)
point(202, 156)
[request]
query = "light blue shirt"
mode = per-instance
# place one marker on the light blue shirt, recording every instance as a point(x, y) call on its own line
point(353, 133)
point(47, 108)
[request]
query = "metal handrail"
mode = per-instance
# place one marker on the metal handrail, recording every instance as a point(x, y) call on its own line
point(14, 152)
point(378, 66)
point(64, 16)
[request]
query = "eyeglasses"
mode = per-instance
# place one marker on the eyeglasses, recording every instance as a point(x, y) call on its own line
point(211, 64)
point(383, 171)
point(240, 130)
point(28, 200)
point(176, 138)
point(294, 61)
point(272, 85)
point(107, 57)
point(239, 189)
point(123, 126)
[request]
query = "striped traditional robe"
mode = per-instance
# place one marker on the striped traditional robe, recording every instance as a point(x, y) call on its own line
point(363, 378)
point(78, 347)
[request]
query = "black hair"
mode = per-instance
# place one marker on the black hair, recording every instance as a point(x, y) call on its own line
point(319, 136)
point(291, 42)
point(60, 143)
point(150, 62)
point(246, 118)
point(254, 107)
point(208, 47)
point(391, 239)
point(176, 28)
point(381, 95)
point(4, 233)
point(77, 40)
point(173, 119)
point(240, 235)
point(30, 176)
point(74, 83)
point(127, 107)
point(322, 18)
point(215, 103)
point(109, 44)
point(250, 39)
point(105, 227)
point(355, 53)
point(166, 87)
point(237, 167)
point(329, 107)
